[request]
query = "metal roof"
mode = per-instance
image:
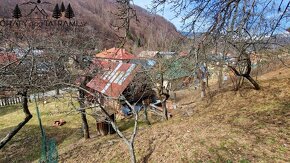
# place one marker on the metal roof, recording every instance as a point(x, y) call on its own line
point(113, 78)
point(146, 63)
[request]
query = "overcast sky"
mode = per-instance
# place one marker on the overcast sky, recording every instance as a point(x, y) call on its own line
point(169, 15)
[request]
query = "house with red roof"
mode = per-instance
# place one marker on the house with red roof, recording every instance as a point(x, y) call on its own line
point(116, 55)
point(183, 54)
point(6, 58)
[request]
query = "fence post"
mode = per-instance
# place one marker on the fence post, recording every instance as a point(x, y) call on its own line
point(6, 102)
point(9, 101)
point(13, 100)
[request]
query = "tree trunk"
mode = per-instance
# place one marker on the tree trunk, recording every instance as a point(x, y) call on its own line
point(207, 75)
point(132, 153)
point(246, 75)
point(28, 115)
point(57, 91)
point(164, 108)
point(165, 97)
point(174, 101)
point(85, 126)
point(220, 77)
point(255, 84)
point(110, 127)
point(203, 84)
point(146, 114)
point(146, 103)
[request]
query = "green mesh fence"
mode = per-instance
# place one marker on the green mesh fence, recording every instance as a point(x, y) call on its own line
point(49, 152)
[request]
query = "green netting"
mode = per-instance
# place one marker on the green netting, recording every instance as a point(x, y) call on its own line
point(49, 152)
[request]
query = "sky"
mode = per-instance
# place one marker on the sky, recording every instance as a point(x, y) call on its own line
point(167, 14)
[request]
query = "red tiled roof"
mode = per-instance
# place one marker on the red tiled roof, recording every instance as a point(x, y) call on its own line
point(114, 77)
point(116, 53)
point(7, 58)
point(183, 54)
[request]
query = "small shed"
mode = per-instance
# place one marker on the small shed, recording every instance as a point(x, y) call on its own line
point(115, 79)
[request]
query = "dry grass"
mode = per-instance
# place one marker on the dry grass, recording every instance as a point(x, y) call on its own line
point(244, 126)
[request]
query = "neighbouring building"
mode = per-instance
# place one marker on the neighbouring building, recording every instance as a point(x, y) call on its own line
point(148, 54)
point(116, 55)
point(112, 81)
point(6, 58)
point(157, 54)
point(167, 55)
point(7, 95)
point(178, 69)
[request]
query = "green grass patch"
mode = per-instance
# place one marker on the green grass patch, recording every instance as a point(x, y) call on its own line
point(25, 145)
point(9, 109)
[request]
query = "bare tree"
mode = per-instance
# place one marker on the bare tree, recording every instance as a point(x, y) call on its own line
point(22, 76)
point(43, 58)
point(245, 26)
point(95, 102)
point(124, 15)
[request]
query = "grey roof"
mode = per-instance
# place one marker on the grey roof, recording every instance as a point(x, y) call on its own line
point(148, 54)
point(166, 55)
point(146, 63)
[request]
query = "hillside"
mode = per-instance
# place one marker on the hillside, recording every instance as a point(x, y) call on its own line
point(150, 31)
point(244, 126)
point(232, 126)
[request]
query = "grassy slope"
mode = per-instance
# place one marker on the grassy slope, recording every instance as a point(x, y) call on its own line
point(231, 126)
point(25, 146)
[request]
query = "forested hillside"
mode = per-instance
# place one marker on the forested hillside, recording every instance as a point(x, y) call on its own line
point(148, 31)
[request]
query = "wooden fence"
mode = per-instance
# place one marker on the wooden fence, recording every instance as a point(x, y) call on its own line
point(6, 101)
